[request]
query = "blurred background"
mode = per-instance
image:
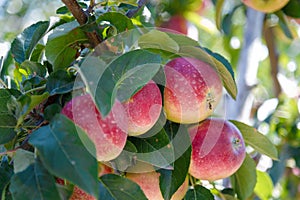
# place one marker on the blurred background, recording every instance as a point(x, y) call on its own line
point(263, 49)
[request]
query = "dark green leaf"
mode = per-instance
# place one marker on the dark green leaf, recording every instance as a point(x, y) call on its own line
point(171, 180)
point(34, 183)
point(199, 193)
point(63, 45)
point(118, 20)
point(257, 140)
point(25, 43)
point(29, 103)
point(61, 82)
point(124, 76)
point(37, 53)
point(51, 110)
point(33, 68)
point(243, 181)
point(114, 187)
point(284, 24)
point(292, 8)
point(73, 152)
point(7, 118)
point(219, 63)
point(6, 172)
point(156, 150)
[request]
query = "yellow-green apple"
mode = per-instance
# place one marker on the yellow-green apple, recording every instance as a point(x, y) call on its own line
point(149, 183)
point(218, 149)
point(267, 6)
point(176, 24)
point(109, 134)
point(143, 109)
point(192, 91)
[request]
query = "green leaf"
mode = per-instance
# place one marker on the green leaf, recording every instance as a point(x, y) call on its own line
point(61, 148)
point(264, 185)
point(33, 68)
point(63, 45)
point(114, 187)
point(29, 103)
point(158, 40)
point(51, 110)
point(257, 140)
point(124, 76)
point(7, 119)
point(24, 44)
point(22, 160)
point(182, 40)
point(171, 180)
point(224, 70)
point(37, 53)
point(6, 172)
point(199, 193)
point(243, 181)
point(61, 82)
point(155, 150)
point(118, 20)
point(292, 8)
point(34, 183)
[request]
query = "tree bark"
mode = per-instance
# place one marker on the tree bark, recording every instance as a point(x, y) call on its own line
point(247, 68)
point(82, 18)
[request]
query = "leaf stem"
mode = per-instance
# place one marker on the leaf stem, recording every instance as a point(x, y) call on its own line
point(36, 89)
point(8, 151)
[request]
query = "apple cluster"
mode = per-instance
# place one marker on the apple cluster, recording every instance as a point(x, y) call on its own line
point(191, 93)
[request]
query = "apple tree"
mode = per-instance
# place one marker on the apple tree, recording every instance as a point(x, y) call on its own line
point(137, 100)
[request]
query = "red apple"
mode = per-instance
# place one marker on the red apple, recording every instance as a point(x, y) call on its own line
point(218, 149)
point(79, 194)
point(143, 109)
point(193, 90)
point(176, 24)
point(149, 183)
point(109, 134)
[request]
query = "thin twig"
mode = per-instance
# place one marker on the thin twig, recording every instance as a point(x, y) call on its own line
point(82, 17)
point(132, 12)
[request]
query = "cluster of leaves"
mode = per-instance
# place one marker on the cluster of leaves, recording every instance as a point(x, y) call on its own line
point(38, 145)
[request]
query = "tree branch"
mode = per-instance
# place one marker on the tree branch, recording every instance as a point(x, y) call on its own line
point(273, 56)
point(82, 18)
point(132, 12)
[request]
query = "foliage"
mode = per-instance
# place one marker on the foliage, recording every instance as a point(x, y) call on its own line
point(49, 62)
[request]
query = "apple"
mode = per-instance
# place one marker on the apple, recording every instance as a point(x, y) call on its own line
point(149, 183)
point(267, 6)
point(176, 24)
point(192, 91)
point(218, 149)
point(109, 134)
point(143, 109)
point(79, 194)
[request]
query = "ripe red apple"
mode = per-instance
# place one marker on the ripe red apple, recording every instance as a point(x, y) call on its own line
point(218, 149)
point(176, 24)
point(267, 6)
point(143, 109)
point(109, 134)
point(79, 194)
point(192, 92)
point(149, 183)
